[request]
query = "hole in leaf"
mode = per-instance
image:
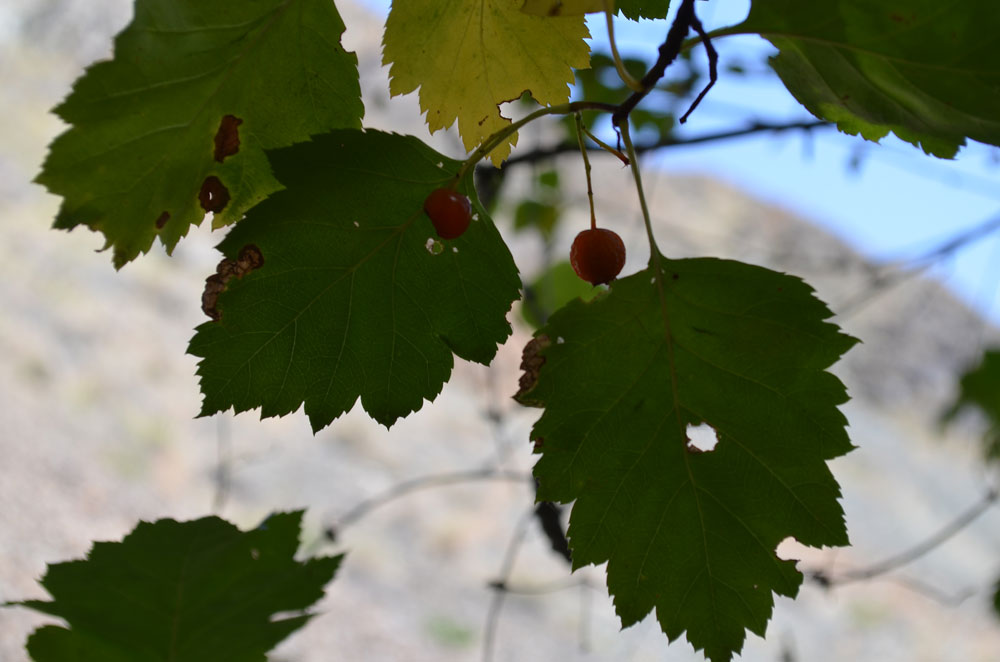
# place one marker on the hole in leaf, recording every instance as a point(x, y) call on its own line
point(433, 246)
point(701, 438)
point(227, 138)
point(214, 196)
point(791, 549)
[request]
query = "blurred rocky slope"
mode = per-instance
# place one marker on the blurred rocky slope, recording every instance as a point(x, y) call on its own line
point(98, 400)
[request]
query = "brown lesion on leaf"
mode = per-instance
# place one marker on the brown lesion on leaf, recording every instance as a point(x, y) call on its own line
point(227, 138)
point(213, 196)
point(162, 219)
point(249, 259)
point(532, 361)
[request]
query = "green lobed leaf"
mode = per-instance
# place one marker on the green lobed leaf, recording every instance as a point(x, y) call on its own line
point(979, 388)
point(198, 591)
point(356, 295)
point(692, 534)
point(143, 142)
point(925, 70)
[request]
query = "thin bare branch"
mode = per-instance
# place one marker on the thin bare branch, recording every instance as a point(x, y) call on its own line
point(910, 555)
point(436, 480)
point(503, 577)
point(713, 65)
point(671, 141)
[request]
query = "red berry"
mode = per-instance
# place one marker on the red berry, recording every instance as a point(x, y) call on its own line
point(449, 211)
point(597, 255)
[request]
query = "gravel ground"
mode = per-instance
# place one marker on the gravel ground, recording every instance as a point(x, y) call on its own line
point(98, 401)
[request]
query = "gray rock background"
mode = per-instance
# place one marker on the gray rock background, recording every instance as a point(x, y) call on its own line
point(97, 403)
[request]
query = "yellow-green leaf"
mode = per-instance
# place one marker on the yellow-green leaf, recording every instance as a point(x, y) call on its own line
point(469, 57)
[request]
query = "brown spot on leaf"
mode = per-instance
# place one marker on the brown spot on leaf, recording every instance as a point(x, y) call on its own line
point(248, 259)
point(227, 138)
point(162, 220)
point(214, 196)
point(531, 362)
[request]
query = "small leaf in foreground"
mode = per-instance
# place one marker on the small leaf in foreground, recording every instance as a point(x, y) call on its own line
point(355, 295)
point(177, 123)
point(979, 388)
point(551, 290)
point(692, 534)
point(925, 70)
point(636, 9)
point(467, 58)
point(198, 591)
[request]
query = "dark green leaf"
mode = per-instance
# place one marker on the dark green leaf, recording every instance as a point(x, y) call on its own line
point(636, 9)
point(996, 599)
point(356, 295)
point(689, 533)
point(979, 389)
point(927, 71)
point(200, 591)
point(148, 126)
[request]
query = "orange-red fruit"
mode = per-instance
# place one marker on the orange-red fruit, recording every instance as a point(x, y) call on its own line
point(597, 255)
point(449, 211)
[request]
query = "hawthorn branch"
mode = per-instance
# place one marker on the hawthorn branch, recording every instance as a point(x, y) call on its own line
point(544, 589)
point(223, 474)
point(910, 555)
point(882, 282)
point(406, 487)
point(506, 569)
point(668, 52)
point(667, 142)
point(713, 65)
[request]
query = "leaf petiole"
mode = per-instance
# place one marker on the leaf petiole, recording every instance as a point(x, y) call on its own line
point(603, 145)
point(634, 162)
point(623, 73)
point(586, 169)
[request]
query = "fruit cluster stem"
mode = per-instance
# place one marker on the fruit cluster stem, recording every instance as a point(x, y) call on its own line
point(637, 175)
point(631, 83)
point(586, 170)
